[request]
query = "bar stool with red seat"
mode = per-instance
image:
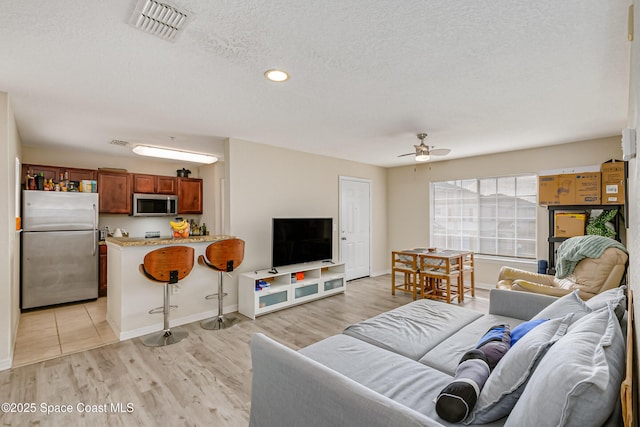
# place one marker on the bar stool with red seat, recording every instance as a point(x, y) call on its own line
point(222, 256)
point(167, 266)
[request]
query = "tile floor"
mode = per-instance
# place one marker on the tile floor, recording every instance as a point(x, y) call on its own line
point(48, 333)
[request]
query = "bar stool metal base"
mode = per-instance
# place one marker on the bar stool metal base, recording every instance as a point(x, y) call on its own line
point(166, 337)
point(221, 321)
point(218, 323)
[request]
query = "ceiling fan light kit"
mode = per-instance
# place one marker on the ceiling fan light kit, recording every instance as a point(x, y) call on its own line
point(424, 152)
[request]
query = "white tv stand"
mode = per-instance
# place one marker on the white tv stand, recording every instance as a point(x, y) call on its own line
point(321, 279)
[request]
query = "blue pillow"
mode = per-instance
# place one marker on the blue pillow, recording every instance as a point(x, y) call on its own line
point(520, 330)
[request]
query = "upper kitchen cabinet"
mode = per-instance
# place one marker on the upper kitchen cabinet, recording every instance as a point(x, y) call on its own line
point(56, 173)
point(115, 192)
point(80, 174)
point(154, 184)
point(189, 196)
point(49, 172)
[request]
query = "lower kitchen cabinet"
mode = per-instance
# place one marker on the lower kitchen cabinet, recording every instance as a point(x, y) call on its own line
point(102, 281)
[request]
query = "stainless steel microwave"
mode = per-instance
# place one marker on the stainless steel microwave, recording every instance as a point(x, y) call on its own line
point(154, 205)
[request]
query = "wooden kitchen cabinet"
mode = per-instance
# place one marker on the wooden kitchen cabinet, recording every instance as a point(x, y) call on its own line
point(154, 184)
point(54, 172)
point(49, 172)
point(102, 283)
point(189, 196)
point(114, 189)
point(80, 174)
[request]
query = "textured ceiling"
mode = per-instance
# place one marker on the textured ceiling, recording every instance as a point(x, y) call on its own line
point(366, 76)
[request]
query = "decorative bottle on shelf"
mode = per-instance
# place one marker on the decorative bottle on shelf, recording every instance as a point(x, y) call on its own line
point(40, 181)
point(28, 181)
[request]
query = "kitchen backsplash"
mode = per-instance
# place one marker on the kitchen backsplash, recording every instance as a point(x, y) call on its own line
point(137, 226)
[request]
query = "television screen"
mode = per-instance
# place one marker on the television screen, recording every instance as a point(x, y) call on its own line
point(299, 240)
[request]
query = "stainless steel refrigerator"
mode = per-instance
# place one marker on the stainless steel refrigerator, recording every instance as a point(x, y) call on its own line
point(59, 247)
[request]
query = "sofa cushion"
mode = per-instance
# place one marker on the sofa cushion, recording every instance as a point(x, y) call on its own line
point(413, 329)
point(523, 328)
point(616, 296)
point(289, 389)
point(405, 381)
point(508, 380)
point(571, 303)
point(577, 382)
point(446, 356)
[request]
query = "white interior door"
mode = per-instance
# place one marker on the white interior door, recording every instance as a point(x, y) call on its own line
point(355, 226)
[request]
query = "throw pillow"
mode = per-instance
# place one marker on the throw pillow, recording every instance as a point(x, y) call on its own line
point(507, 381)
point(578, 381)
point(522, 329)
point(571, 303)
point(616, 296)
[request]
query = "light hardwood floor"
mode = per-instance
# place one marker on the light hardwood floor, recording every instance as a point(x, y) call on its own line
point(204, 380)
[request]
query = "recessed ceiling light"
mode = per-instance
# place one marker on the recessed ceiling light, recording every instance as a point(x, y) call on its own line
point(166, 153)
point(276, 75)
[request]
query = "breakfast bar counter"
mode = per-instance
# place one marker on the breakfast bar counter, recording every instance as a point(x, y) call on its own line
point(130, 295)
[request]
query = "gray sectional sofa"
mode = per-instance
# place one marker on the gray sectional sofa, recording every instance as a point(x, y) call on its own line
point(388, 370)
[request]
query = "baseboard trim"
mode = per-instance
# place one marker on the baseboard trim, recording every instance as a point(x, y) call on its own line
point(138, 332)
point(5, 364)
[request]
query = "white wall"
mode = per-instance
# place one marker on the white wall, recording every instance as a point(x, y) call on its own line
point(266, 182)
point(633, 233)
point(409, 211)
point(9, 253)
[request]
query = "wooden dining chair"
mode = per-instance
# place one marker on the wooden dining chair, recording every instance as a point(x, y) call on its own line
point(439, 277)
point(405, 263)
point(467, 267)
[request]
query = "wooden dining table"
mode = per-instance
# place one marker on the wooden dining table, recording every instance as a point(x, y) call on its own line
point(434, 273)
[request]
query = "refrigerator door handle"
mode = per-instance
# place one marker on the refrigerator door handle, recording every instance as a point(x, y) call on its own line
point(95, 230)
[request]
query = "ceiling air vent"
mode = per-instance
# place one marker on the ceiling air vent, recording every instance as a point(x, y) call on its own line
point(158, 19)
point(119, 142)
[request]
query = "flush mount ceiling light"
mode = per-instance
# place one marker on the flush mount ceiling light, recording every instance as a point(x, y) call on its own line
point(167, 153)
point(276, 75)
point(158, 19)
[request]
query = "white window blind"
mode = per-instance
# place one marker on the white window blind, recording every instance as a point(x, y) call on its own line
point(490, 216)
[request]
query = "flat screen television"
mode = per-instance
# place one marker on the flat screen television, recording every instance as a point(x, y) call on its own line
point(300, 240)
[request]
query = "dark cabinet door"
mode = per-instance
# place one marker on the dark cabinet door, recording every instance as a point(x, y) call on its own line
point(189, 196)
point(154, 184)
point(166, 184)
point(115, 192)
point(55, 173)
point(144, 183)
point(79, 174)
point(102, 283)
point(49, 172)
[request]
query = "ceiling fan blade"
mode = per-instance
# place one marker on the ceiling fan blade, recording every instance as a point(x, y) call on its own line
point(408, 154)
point(439, 152)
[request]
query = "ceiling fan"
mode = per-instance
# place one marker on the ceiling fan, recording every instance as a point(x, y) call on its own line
point(424, 152)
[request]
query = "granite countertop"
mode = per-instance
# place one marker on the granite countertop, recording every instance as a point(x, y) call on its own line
point(141, 241)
